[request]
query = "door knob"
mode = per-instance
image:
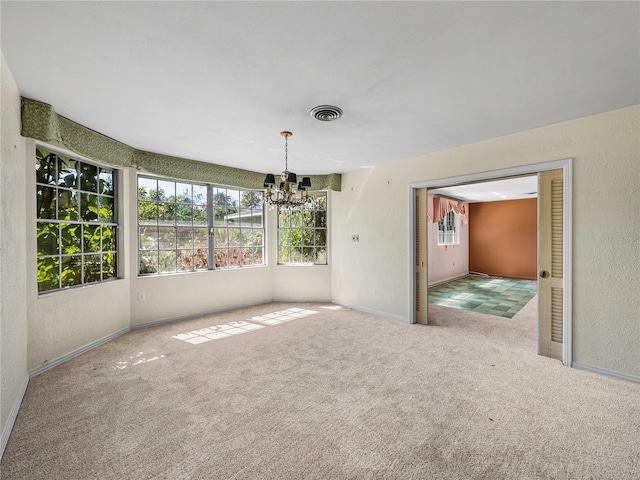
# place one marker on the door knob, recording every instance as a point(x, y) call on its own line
point(544, 274)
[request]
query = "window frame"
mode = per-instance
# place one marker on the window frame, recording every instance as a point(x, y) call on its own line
point(315, 246)
point(78, 197)
point(450, 224)
point(211, 227)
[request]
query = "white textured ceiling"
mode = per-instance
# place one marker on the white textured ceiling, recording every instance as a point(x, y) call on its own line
point(492, 191)
point(218, 81)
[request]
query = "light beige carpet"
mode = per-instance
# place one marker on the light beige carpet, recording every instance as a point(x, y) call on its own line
point(336, 394)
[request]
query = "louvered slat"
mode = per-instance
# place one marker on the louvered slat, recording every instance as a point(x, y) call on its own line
point(556, 315)
point(556, 228)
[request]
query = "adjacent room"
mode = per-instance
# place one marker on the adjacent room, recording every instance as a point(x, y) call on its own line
point(319, 240)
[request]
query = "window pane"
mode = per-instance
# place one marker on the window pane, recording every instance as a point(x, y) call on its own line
point(88, 207)
point(47, 234)
point(321, 255)
point(284, 219)
point(246, 256)
point(149, 262)
point(296, 255)
point(220, 198)
point(183, 193)
point(200, 194)
point(147, 188)
point(308, 255)
point(307, 237)
point(46, 202)
point(321, 219)
point(109, 266)
point(221, 258)
point(88, 177)
point(108, 238)
point(201, 237)
point(166, 213)
point(167, 261)
point(185, 260)
point(91, 235)
point(71, 271)
point(166, 191)
point(220, 237)
point(147, 212)
point(199, 215)
point(185, 238)
point(258, 238)
point(48, 276)
point(106, 209)
point(219, 216)
point(92, 268)
point(67, 172)
point(234, 257)
point(257, 256)
point(106, 181)
point(166, 237)
point(70, 235)
point(284, 238)
point(45, 167)
point(284, 254)
point(149, 238)
point(184, 214)
point(201, 259)
point(67, 205)
point(246, 238)
point(234, 236)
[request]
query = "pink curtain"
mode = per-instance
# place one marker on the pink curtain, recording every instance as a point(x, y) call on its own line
point(438, 207)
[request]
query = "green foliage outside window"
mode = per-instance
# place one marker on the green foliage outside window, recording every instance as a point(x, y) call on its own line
point(187, 227)
point(76, 229)
point(302, 232)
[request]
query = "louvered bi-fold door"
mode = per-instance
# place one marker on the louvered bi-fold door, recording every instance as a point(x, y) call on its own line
point(550, 263)
point(421, 256)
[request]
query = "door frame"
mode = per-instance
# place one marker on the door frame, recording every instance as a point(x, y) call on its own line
point(566, 165)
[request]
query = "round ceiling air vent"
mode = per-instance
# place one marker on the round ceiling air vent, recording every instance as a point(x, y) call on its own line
point(326, 113)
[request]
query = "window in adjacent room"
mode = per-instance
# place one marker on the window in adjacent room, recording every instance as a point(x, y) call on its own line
point(76, 224)
point(448, 229)
point(186, 227)
point(302, 232)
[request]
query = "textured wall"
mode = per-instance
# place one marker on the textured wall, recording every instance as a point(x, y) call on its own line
point(503, 238)
point(13, 312)
point(63, 321)
point(374, 202)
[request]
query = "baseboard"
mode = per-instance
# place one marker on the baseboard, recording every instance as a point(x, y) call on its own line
point(155, 323)
point(373, 312)
point(606, 373)
point(449, 279)
point(54, 363)
point(6, 432)
point(297, 300)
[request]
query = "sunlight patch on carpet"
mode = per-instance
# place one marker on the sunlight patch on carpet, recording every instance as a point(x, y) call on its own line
point(217, 332)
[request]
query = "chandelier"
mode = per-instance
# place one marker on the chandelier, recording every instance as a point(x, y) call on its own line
point(287, 192)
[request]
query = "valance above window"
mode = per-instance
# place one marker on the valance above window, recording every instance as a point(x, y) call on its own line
point(438, 207)
point(41, 122)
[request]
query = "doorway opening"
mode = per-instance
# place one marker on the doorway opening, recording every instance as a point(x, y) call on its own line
point(558, 305)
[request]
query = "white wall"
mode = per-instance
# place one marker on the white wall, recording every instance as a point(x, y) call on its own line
point(606, 227)
point(13, 214)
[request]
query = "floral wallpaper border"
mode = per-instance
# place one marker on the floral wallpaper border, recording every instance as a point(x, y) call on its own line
point(41, 122)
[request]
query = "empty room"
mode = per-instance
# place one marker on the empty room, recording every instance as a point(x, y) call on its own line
point(224, 226)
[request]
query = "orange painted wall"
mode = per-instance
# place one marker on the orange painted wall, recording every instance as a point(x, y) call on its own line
point(503, 238)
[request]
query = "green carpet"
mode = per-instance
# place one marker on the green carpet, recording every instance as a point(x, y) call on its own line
point(503, 297)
